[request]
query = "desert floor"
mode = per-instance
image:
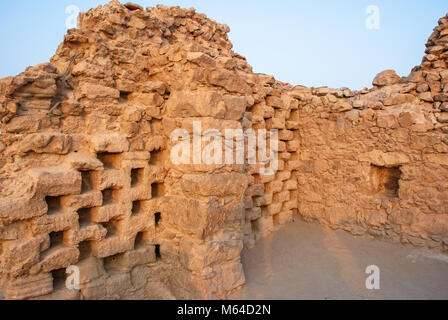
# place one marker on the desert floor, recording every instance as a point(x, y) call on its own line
point(306, 261)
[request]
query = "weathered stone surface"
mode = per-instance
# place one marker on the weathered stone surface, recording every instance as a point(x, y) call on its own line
point(193, 217)
point(111, 143)
point(84, 162)
point(95, 91)
point(46, 143)
point(221, 185)
point(381, 159)
point(21, 209)
point(29, 287)
point(19, 256)
point(58, 258)
point(56, 181)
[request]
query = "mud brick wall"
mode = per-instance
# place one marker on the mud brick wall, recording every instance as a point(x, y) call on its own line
point(86, 177)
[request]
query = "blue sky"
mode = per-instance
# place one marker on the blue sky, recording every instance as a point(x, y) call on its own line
point(311, 43)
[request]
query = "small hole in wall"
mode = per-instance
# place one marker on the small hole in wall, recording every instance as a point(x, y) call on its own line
point(141, 241)
point(56, 239)
point(110, 196)
point(157, 218)
point(111, 228)
point(59, 279)
point(254, 225)
point(386, 181)
point(85, 217)
point(124, 96)
point(156, 158)
point(158, 254)
point(136, 177)
point(54, 204)
point(157, 190)
point(85, 250)
point(107, 196)
point(136, 208)
point(86, 182)
point(110, 160)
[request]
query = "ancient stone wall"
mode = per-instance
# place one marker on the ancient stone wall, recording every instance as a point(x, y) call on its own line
point(87, 178)
point(369, 162)
point(90, 183)
point(376, 161)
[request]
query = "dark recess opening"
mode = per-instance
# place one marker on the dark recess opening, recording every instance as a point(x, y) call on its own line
point(85, 250)
point(111, 228)
point(135, 207)
point(109, 196)
point(110, 160)
point(56, 238)
point(140, 241)
point(86, 182)
point(59, 278)
point(386, 181)
point(124, 96)
point(136, 177)
point(156, 157)
point(157, 190)
point(254, 225)
point(85, 217)
point(54, 204)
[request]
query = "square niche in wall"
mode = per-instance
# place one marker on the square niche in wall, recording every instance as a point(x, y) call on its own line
point(386, 181)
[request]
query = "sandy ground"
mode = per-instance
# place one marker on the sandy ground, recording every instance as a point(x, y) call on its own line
point(306, 261)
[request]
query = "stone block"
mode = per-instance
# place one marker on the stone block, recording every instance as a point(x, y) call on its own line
point(86, 200)
point(218, 185)
point(19, 256)
point(59, 257)
point(29, 287)
point(253, 214)
point(46, 143)
point(282, 196)
point(111, 246)
point(283, 217)
point(274, 186)
point(56, 181)
point(108, 179)
point(21, 209)
point(106, 213)
point(55, 223)
point(275, 208)
point(110, 143)
point(264, 200)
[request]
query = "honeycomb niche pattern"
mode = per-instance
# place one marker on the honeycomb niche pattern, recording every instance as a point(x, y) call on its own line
point(90, 184)
point(96, 213)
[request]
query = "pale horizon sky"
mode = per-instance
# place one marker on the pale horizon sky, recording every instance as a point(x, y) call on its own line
point(311, 43)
